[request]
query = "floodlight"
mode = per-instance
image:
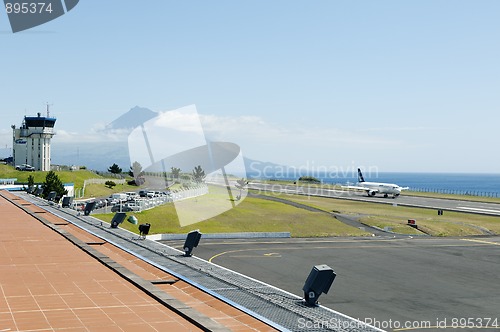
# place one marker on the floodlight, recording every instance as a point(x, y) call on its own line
point(88, 208)
point(144, 229)
point(319, 281)
point(118, 218)
point(67, 201)
point(52, 196)
point(133, 220)
point(192, 240)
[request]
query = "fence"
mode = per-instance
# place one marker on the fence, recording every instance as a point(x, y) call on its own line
point(80, 192)
point(190, 192)
point(457, 192)
point(146, 204)
point(103, 181)
point(142, 204)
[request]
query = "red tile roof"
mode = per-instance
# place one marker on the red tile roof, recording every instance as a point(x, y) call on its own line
point(48, 283)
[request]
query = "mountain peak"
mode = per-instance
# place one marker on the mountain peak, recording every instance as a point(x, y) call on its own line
point(133, 118)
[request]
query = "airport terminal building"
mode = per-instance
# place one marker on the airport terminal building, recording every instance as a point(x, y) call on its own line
point(31, 142)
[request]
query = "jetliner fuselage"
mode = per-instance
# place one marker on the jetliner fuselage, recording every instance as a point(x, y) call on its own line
point(373, 188)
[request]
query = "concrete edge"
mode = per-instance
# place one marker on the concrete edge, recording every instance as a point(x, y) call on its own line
point(248, 235)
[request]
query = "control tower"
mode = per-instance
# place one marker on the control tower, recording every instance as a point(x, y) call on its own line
point(31, 141)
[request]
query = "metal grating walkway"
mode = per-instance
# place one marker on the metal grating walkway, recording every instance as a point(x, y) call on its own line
point(278, 308)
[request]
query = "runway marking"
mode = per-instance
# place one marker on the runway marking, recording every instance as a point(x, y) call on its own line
point(477, 209)
point(338, 247)
point(482, 241)
point(273, 254)
point(270, 255)
point(307, 241)
point(227, 252)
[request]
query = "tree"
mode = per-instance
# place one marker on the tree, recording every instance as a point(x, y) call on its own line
point(198, 174)
point(115, 169)
point(137, 173)
point(135, 170)
point(110, 184)
point(53, 183)
point(31, 182)
point(175, 172)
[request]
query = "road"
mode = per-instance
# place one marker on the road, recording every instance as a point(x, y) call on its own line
point(393, 282)
point(492, 209)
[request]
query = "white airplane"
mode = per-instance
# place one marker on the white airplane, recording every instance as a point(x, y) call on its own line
point(373, 188)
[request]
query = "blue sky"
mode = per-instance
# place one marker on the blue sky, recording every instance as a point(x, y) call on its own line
point(400, 85)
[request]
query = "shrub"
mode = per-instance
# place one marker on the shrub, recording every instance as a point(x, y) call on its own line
point(310, 179)
point(110, 184)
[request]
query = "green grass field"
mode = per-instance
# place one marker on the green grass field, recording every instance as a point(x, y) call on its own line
point(396, 217)
point(251, 215)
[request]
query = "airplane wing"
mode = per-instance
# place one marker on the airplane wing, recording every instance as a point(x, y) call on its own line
point(360, 188)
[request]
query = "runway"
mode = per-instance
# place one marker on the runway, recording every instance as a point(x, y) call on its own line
point(394, 282)
point(492, 209)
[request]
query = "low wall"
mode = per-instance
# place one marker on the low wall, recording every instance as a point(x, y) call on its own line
point(249, 235)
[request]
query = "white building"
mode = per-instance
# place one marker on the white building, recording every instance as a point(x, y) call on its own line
point(31, 142)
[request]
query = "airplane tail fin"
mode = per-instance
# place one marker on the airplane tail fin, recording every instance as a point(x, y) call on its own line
point(360, 176)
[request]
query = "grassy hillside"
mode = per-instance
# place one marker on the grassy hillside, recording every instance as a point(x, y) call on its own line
point(76, 177)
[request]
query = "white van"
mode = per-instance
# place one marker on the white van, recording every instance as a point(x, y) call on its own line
point(120, 197)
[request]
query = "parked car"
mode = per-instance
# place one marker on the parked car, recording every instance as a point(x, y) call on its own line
point(133, 207)
point(25, 167)
point(132, 194)
point(120, 208)
point(120, 197)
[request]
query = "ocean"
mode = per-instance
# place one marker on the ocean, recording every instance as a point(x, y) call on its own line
point(453, 183)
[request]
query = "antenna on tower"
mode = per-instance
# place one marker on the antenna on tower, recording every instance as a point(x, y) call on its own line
point(48, 109)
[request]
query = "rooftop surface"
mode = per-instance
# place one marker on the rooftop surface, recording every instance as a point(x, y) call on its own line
point(55, 276)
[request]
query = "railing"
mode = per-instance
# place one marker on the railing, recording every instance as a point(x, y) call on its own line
point(190, 192)
point(457, 192)
point(103, 181)
point(152, 202)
